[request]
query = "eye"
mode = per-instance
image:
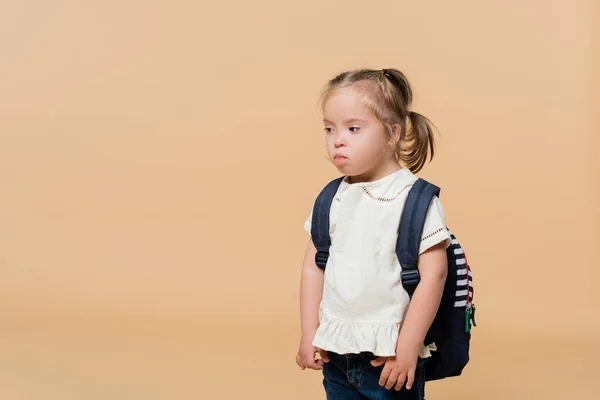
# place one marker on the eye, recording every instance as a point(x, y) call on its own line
point(354, 129)
point(328, 130)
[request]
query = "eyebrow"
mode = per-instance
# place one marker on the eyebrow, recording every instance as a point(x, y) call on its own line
point(347, 121)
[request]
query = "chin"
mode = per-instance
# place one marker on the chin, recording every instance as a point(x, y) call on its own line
point(344, 169)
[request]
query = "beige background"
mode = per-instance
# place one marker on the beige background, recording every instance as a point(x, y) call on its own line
point(158, 159)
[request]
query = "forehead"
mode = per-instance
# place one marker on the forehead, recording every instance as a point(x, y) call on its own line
point(345, 104)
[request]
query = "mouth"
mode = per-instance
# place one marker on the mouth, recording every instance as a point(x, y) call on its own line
point(339, 159)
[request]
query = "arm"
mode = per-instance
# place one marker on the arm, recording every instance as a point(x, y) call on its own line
point(433, 269)
point(311, 292)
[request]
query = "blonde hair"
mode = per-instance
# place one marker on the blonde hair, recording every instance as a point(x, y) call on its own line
point(388, 94)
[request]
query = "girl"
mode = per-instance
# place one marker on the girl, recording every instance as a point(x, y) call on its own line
point(356, 314)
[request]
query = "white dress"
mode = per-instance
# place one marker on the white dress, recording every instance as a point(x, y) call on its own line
point(364, 301)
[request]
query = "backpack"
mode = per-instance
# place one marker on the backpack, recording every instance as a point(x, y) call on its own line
point(451, 327)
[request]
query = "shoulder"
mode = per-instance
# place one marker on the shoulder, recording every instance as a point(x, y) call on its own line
point(324, 198)
point(434, 229)
point(331, 187)
point(436, 209)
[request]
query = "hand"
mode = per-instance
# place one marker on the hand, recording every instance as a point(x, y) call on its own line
point(306, 356)
point(398, 369)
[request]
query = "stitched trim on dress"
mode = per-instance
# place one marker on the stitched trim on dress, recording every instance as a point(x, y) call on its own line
point(385, 199)
point(432, 234)
point(338, 198)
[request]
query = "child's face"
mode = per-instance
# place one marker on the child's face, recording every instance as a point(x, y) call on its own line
point(357, 143)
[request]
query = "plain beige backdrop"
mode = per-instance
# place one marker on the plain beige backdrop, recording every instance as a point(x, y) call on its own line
point(158, 160)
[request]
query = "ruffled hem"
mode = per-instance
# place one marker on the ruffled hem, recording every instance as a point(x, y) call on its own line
point(426, 350)
point(348, 337)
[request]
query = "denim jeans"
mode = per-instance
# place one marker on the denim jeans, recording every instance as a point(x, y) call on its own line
point(353, 377)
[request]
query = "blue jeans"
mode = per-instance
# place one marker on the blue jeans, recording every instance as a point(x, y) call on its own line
point(352, 377)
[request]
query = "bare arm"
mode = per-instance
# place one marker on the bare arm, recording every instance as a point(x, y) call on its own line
point(433, 269)
point(424, 304)
point(311, 293)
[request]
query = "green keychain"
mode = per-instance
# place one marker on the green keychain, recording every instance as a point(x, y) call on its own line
point(468, 318)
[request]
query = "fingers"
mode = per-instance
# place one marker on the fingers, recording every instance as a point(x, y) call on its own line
point(324, 355)
point(299, 361)
point(410, 379)
point(318, 364)
point(399, 382)
point(309, 360)
point(308, 363)
point(378, 362)
point(395, 378)
point(385, 374)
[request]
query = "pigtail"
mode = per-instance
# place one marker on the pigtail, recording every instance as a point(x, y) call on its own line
point(417, 143)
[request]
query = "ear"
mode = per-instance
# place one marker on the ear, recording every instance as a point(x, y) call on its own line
point(396, 134)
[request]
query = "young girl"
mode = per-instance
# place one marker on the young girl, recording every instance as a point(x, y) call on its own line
point(356, 314)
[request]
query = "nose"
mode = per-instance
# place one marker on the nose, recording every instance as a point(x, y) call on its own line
point(339, 139)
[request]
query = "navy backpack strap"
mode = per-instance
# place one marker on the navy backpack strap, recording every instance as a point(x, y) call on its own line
point(411, 229)
point(319, 230)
